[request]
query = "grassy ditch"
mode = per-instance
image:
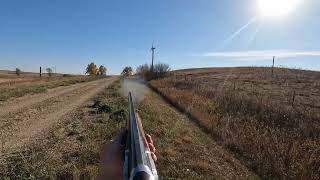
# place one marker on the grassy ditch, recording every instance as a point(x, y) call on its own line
point(184, 151)
point(34, 88)
point(271, 139)
point(71, 150)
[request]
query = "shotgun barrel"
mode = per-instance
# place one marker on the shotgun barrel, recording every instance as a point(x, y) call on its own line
point(138, 163)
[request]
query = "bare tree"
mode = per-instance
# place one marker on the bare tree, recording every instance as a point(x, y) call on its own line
point(142, 70)
point(161, 70)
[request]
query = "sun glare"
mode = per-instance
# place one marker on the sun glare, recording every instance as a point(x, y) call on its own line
point(277, 8)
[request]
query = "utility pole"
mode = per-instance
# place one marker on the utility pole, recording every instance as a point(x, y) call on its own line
point(152, 49)
point(273, 65)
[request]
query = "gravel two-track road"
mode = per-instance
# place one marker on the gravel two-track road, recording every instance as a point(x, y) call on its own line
point(24, 119)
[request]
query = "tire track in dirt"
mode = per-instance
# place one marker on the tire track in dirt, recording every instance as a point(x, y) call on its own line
point(22, 125)
point(12, 112)
point(47, 106)
point(18, 104)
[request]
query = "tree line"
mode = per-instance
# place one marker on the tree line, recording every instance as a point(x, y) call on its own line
point(145, 71)
point(19, 71)
point(92, 70)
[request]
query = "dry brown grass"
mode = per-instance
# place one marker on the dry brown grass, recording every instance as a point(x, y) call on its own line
point(9, 78)
point(14, 89)
point(271, 123)
point(70, 150)
point(184, 151)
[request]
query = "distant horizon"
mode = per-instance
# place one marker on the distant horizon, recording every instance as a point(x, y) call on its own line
point(191, 68)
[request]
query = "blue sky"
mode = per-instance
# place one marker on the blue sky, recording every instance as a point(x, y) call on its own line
point(69, 34)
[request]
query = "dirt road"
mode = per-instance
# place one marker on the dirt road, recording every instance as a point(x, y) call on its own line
point(24, 119)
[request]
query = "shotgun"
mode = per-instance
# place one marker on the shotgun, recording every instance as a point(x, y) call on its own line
point(138, 163)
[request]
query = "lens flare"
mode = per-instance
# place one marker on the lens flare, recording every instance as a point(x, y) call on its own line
point(277, 8)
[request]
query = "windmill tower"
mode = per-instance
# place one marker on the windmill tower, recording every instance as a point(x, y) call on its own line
point(152, 50)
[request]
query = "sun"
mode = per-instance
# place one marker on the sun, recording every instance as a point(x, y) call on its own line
point(277, 8)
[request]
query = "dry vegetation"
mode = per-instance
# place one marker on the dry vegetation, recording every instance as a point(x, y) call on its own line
point(14, 88)
point(184, 151)
point(270, 122)
point(11, 78)
point(71, 150)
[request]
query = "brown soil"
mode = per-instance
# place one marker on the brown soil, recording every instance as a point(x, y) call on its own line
point(24, 119)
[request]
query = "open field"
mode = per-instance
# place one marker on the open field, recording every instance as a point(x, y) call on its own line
point(19, 86)
point(271, 123)
point(12, 74)
point(70, 148)
point(9, 78)
point(290, 87)
point(184, 151)
point(59, 134)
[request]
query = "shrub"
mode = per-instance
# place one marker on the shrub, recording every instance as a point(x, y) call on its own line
point(18, 71)
point(159, 71)
point(127, 71)
point(119, 115)
point(66, 75)
point(102, 71)
point(142, 70)
point(49, 71)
